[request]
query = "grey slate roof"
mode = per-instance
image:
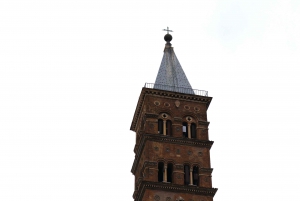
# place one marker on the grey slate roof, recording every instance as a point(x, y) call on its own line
point(170, 72)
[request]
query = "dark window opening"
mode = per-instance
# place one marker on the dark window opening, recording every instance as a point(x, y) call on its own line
point(186, 175)
point(184, 129)
point(193, 130)
point(160, 126)
point(195, 176)
point(169, 127)
point(169, 172)
point(160, 172)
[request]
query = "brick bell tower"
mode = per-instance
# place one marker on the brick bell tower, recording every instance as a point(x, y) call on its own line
point(172, 151)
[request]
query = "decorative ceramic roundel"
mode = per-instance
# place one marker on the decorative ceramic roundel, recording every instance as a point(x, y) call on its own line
point(164, 115)
point(189, 118)
point(167, 104)
point(177, 103)
point(156, 198)
point(196, 109)
point(186, 107)
point(180, 199)
point(157, 103)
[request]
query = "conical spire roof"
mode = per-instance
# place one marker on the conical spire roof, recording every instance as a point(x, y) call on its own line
point(170, 75)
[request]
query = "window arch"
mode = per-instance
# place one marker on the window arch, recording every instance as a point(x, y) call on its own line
point(191, 175)
point(189, 129)
point(164, 125)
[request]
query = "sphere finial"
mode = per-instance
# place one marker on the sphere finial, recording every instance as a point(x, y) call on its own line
point(168, 37)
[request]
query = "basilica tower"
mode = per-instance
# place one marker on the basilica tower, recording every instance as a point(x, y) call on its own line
point(172, 150)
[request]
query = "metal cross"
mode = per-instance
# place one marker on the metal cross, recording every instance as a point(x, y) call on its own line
point(168, 30)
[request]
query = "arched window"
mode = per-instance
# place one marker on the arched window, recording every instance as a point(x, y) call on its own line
point(196, 175)
point(193, 130)
point(169, 127)
point(160, 172)
point(160, 126)
point(184, 129)
point(169, 172)
point(186, 175)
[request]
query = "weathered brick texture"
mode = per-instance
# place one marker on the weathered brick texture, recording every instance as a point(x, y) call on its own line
point(173, 148)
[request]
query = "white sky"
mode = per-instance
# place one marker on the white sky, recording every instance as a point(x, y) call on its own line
point(71, 73)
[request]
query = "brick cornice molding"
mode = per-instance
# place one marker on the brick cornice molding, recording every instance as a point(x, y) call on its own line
point(138, 194)
point(162, 93)
point(150, 164)
point(167, 139)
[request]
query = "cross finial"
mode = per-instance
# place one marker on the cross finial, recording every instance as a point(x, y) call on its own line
point(168, 30)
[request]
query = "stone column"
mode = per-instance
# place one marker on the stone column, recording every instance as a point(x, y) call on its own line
point(191, 176)
point(189, 131)
point(165, 174)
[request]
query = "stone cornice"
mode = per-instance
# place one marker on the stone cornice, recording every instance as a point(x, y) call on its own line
point(167, 139)
point(138, 195)
point(206, 170)
point(203, 123)
point(178, 119)
point(169, 94)
point(148, 115)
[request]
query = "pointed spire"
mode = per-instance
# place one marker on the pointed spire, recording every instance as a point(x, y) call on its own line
point(171, 76)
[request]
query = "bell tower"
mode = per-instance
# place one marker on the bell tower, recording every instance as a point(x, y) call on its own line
point(172, 150)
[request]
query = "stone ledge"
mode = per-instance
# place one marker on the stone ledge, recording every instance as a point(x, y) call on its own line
point(138, 195)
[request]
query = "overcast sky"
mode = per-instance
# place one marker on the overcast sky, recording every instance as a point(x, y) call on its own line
point(71, 73)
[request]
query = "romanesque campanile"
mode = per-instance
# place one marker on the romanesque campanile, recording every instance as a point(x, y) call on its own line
point(172, 150)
